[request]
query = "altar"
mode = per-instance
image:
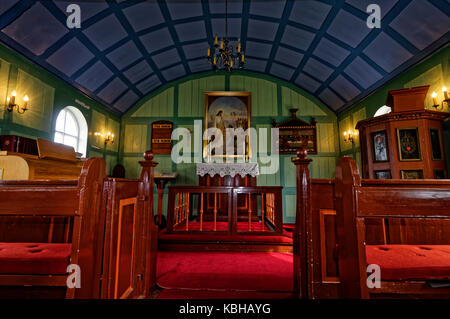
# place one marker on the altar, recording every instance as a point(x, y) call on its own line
point(228, 174)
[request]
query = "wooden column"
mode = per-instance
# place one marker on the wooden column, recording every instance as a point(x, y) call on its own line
point(302, 225)
point(150, 238)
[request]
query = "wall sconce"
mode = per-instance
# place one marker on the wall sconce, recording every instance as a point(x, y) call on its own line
point(446, 100)
point(350, 135)
point(11, 103)
point(109, 137)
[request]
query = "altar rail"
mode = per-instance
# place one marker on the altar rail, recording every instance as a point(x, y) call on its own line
point(228, 210)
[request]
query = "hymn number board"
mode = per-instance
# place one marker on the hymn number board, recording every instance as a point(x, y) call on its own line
point(295, 133)
point(162, 137)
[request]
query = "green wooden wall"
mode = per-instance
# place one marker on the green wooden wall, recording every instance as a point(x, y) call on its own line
point(48, 96)
point(433, 71)
point(182, 102)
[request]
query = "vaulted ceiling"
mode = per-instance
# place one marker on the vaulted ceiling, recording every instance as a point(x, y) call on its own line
point(127, 49)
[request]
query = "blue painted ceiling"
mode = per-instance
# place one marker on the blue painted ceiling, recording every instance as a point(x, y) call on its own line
point(127, 49)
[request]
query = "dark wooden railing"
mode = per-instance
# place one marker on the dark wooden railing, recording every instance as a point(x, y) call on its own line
point(223, 209)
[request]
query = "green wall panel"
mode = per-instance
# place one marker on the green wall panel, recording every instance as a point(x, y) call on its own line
point(41, 102)
point(98, 125)
point(4, 76)
point(132, 167)
point(135, 138)
point(111, 161)
point(289, 172)
point(323, 167)
point(186, 174)
point(191, 97)
point(326, 138)
point(292, 99)
point(268, 179)
point(159, 106)
point(114, 128)
point(290, 203)
point(264, 94)
point(164, 163)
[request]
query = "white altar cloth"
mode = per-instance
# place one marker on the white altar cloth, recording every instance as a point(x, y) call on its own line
point(230, 169)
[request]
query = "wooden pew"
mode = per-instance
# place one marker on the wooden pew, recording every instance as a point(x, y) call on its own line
point(317, 274)
point(112, 231)
point(406, 268)
point(43, 264)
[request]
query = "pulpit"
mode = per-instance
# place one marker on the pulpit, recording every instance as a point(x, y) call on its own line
point(228, 174)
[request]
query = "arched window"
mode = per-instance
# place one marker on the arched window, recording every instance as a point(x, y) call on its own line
point(382, 110)
point(71, 129)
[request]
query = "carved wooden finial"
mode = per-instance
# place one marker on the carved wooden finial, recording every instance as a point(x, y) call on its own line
point(148, 155)
point(302, 153)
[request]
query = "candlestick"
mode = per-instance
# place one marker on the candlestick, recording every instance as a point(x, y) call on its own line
point(444, 89)
point(25, 102)
point(434, 98)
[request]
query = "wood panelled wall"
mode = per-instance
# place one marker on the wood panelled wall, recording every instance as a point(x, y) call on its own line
point(182, 102)
point(434, 71)
point(48, 96)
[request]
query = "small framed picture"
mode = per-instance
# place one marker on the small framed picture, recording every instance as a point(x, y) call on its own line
point(412, 174)
point(383, 174)
point(408, 144)
point(439, 174)
point(380, 147)
point(436, 146)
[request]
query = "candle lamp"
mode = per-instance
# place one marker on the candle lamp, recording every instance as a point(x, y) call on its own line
point(11, 103)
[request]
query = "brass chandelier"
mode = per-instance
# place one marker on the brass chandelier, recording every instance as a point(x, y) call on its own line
point(224, 57)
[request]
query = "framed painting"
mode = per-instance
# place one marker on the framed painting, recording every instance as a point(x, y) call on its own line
point(408, 144)
point(228, 110)
point(411, 174)
point(386, 174)
point(436, 145)
point(380, 147)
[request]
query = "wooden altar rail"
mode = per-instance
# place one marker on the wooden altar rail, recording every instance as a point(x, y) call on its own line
point(198, 205)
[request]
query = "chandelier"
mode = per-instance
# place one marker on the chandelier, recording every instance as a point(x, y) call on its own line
point(224, 57)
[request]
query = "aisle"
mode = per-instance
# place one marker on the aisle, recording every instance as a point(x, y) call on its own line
point(223, 275)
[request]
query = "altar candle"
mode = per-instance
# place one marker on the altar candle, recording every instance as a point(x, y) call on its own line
point(444, 89)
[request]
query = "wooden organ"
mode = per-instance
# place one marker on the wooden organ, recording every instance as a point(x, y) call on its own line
point(45, 160)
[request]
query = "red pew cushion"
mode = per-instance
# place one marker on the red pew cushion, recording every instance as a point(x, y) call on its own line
point(401, 262)
point(34, 259)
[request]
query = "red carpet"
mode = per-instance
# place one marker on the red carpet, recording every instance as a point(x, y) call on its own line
point(254, 271)
point(226, 294)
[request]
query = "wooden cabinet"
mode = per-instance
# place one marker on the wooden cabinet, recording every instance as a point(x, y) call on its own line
point(406, 144)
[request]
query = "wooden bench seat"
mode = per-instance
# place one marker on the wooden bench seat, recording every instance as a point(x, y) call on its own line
point(45, 265)
point(34, 258)
point(402, 262)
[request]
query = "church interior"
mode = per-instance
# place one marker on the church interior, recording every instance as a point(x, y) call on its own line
point(224, 149)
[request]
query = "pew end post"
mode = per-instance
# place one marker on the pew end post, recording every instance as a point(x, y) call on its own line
point(150, 233)
point(302, 225)
point(351, 266)
point(85, 250)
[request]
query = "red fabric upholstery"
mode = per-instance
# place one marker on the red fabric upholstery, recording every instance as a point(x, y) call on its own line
point(34, 259)
point(400, 262)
